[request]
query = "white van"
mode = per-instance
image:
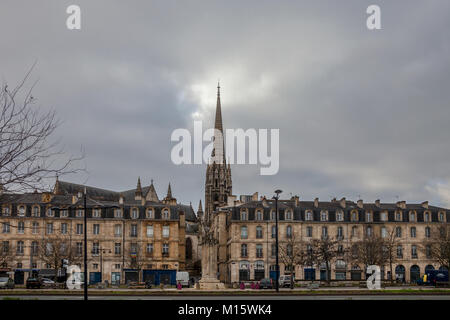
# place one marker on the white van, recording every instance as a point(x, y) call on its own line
point(183, 278)
point(284, 281)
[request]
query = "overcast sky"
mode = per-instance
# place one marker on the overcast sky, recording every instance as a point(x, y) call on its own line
point(361, 113)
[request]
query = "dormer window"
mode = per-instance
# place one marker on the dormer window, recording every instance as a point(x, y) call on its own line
point(96, 213)
point(354, 216)
point(50, 212)
point(273, 215)
point(426, 217)
point(384, 216)
point(35, 211)
point(118, 213)
point(134, 213)
point(441, 216)
point(398, 216)
point(21, 211)
point(150, 213)
point(412, 216)
point(339, 215)
point(259, 215)
point(369, 217)
point(323, 215)
point(288, 215)
point(79, 213)
point(6, 211)
point(308, 216)
point(63, 213)
point(165, 214)
point(244, 215)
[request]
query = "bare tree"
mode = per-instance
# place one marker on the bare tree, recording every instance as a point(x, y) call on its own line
point(291, 253)
point(369, 251)
point(438, 245)
point(390, 244)
point(7, 256)
point(28, 157)
point(53, 250)
point(326, 251)
point(134, 256)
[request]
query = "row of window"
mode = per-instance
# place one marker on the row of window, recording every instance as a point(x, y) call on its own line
point(339, 232)
point(96, 212)
point(340, 216)
point(34, 248)
point(259, 252)
point(49, 229)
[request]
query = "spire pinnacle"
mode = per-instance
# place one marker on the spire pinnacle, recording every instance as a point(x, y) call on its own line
point(169, 192)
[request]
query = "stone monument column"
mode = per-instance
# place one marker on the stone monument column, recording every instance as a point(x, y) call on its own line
point(209, 242)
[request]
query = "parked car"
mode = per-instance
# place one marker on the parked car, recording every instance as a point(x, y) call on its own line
point(6, 283)
point(266, 283)
point(48, 283)
point(284, 281)
point(183, 278)
point(33, 283)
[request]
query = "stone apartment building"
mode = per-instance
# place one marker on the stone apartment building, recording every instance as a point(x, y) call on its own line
point(132, 235)
point(247, 235)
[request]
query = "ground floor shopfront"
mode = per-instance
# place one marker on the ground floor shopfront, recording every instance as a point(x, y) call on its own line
point(247, 271)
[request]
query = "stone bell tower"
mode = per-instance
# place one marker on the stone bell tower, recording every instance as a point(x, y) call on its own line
point(218, 174)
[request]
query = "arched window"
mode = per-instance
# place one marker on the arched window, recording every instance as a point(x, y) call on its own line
point(21, 211)
point(288, 215)
point(398, 216)
point(412, 216)
point(165, 214)
point(323, 215)
point(118, 213)
point(150, 213)
point(50, 212)
point(134, 213)
point(272, 215)
point(35, 211)
point(308, 215)
point(354, 216)
point(244, 215)
point(259, 215)
point(426, 217)
point(339, 215)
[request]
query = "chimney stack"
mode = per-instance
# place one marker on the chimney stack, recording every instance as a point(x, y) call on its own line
point(377, 203)
point(342, 202)
point(316, 202)
point(401, 204)
point(360, 203)
point(425, 204)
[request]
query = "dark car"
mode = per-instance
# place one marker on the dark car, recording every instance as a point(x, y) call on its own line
point(266, 283)
point(33, 283)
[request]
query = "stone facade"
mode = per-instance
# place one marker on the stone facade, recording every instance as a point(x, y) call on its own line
point(247, 238)
point(131, 234)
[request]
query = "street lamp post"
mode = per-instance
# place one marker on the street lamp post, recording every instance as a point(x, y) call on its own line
point(277, 265)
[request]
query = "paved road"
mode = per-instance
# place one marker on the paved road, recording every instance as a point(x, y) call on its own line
point(321, 297)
